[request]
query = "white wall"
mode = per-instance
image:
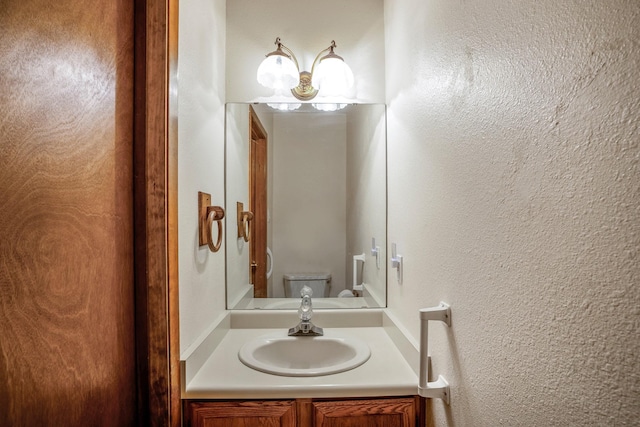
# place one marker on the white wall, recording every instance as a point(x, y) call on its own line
point(237, 190)
point(513, 195)
point(306, 27)
point(309, 197)
point(201, 96)
point(366, 196)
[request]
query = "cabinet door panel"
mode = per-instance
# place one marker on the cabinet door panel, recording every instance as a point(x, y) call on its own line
point(241, 414)
point(371, 413)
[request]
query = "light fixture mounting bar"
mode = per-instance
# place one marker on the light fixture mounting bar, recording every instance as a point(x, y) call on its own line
point(282, 49)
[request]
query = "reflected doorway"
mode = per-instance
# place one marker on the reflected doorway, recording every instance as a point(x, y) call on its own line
point(258, 205)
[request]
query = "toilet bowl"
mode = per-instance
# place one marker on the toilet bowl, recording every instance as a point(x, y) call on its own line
point(346, 294)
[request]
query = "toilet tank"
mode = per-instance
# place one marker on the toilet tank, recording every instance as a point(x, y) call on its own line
point(320, 283)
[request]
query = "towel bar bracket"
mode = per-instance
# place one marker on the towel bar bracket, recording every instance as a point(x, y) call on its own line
point(436, 389)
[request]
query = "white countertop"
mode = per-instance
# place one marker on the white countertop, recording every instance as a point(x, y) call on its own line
point(212, 370)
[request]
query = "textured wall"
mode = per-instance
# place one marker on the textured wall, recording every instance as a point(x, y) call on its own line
point(514, 149)
point(201, 99)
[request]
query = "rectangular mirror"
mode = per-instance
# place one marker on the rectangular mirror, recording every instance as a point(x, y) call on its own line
point(306, 204)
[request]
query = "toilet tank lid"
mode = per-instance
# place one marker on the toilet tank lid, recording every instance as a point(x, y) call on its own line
point(307, 276)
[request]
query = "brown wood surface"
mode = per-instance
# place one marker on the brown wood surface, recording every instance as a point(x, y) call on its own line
point(156, 214)
point(175, 400)
point(66, 209)
point(306, 412)
point(241, 414)
point(258, 205)
point(388, 412)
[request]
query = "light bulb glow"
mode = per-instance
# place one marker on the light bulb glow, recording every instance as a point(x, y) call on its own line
point(329, 107)
point(278, 72)
point(284, 106)
point(332, 77)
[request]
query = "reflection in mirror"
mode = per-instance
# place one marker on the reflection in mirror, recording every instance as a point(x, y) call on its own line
point(315, 185)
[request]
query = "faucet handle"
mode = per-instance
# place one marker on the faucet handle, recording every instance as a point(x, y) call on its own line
point(305, 312)
point(306, 308)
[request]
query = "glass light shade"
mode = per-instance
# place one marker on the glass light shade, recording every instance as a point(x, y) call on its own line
point(284, 106)
point(332, 77)
point(329, 107)
point(278, 72)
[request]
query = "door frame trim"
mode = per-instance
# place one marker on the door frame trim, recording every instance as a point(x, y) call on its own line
point(258, 143)
point(155, 212)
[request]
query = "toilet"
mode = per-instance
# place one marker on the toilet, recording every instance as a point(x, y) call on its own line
point(320, 283)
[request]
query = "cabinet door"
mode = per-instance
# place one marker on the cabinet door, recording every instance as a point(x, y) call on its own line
point(400, 412)
point(241, 414)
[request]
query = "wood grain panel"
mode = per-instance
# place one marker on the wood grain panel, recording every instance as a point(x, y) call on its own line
point(66, 281)
point(241, 414)
point(155, 184)
point(175, 401)
point(258, 205)
point(388, 412)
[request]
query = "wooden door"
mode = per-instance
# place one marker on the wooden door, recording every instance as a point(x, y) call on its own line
point(67, 346)
point(258, 205)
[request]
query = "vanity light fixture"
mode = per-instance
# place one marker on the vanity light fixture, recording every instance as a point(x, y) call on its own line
point(329, 73)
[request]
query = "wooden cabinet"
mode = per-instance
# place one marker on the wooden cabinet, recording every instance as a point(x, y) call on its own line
point(388, 412)
point(281, 413)
point(382, 412)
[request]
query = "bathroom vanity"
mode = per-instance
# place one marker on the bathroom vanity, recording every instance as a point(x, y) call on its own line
point(218, 389)
point(388, 412)
point(323, 228)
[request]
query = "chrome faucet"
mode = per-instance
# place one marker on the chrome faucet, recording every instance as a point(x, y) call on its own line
point(305, 328)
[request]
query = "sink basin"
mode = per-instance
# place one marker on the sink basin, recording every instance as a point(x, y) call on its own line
point(304, 356)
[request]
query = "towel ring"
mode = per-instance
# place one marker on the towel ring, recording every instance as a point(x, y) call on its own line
point(214, 213)
point(206, 215)
point(244, 222)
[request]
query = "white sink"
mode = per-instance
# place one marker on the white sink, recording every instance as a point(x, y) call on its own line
point(304, 356)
